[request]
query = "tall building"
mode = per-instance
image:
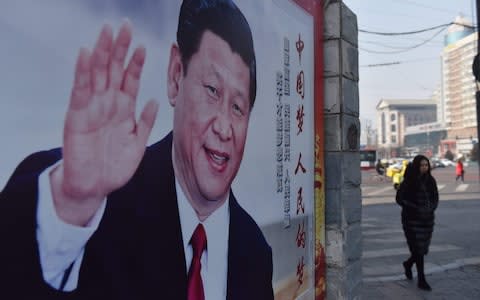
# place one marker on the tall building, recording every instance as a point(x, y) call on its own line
point(458, 85)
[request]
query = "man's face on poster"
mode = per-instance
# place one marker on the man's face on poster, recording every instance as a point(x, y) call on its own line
point(211, 111)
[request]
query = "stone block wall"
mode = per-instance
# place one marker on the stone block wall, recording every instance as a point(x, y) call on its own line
point(343, 205)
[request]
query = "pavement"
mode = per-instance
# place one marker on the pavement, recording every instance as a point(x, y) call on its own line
point(452, 266)
point(456, 283)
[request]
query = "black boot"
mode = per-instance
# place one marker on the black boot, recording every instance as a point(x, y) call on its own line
point(408, 270)
point(423, 284)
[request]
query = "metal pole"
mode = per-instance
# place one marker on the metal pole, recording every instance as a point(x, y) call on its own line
point(477, 94)
point(478, 22)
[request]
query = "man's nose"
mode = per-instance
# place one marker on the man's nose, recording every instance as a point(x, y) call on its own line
point(222, 125)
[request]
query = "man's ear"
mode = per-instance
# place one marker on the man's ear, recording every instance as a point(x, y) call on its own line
point(174, 74)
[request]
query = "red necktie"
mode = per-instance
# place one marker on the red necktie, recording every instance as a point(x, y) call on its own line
point(195, 286)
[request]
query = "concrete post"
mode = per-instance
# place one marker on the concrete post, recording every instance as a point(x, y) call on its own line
point(343, 205)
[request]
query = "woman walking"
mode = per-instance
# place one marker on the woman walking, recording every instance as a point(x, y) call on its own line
point(418, 197)
point(459, 170)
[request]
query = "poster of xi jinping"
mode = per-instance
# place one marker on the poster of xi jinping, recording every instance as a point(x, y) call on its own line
point(157, 149)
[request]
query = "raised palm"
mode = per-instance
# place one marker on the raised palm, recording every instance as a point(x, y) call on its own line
point(103, 143)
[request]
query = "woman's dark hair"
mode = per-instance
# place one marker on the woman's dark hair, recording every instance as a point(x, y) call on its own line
point(223, 18)
point(413, 170)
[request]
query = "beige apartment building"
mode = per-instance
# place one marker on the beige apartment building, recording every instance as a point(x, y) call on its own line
point(459, 87)
point(394, 115)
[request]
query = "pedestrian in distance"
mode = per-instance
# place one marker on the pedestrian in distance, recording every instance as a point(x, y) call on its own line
point(380, 168)
point(459, 170)
point(418, 197)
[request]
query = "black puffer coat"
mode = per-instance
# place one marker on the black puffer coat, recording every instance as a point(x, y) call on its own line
point(418, 199)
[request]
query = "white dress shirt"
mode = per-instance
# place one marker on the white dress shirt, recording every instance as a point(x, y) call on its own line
point(60, 243)
point(215, 258)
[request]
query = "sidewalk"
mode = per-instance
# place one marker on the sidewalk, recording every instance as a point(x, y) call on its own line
point(461, 283)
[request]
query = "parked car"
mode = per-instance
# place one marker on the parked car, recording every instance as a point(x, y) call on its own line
point(447, 162)
point(435, 163)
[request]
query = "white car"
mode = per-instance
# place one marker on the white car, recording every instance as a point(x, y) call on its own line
point(447, 162)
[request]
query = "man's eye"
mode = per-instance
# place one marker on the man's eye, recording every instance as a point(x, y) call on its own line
point(211, 90)
point(237, 110)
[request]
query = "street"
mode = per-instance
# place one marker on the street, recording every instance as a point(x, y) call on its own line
point(455, 242)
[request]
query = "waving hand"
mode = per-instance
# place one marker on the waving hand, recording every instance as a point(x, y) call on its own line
point(103, 142)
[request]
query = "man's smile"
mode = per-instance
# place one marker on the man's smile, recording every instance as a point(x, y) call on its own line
point(218, 159)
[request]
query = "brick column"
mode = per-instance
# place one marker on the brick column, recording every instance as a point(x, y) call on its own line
point(343, 206)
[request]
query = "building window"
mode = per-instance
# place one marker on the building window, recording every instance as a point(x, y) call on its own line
point(393, 117)
point(394, 139)
point(393, 128)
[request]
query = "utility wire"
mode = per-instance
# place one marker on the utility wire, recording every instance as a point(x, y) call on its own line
point(406, 40)
point(381, 64)
point(415, 31)
point(386, 64)
point(403, 50)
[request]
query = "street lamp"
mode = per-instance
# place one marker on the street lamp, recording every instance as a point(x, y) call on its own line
point(476, 73)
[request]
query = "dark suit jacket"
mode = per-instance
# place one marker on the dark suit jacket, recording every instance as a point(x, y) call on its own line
point(137, 251)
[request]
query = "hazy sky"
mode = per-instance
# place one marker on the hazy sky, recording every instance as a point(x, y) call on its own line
point(418, 73)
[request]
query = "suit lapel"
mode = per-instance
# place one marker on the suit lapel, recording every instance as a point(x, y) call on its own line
point(163, 258)
point(235, 271)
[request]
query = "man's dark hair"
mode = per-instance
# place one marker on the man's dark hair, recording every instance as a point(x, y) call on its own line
point(223, 18)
